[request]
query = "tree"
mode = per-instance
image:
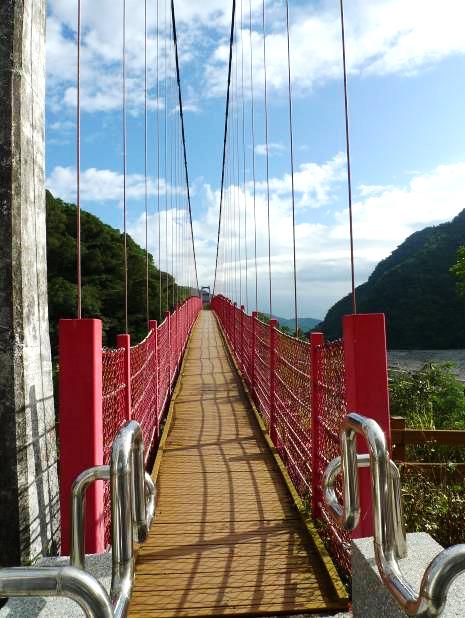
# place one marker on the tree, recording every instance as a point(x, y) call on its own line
point(459, 270)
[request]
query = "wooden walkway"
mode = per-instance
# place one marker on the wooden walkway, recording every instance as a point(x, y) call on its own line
point(226, 540)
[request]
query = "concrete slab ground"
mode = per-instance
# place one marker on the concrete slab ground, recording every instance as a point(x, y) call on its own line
point(98, 565)
point(370, 599)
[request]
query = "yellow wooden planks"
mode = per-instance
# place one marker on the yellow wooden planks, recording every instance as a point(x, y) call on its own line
point(226, 539)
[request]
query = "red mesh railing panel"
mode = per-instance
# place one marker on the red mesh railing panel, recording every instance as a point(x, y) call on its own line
point(153, 368)
point(163, 364)
point(113, 413)
point(293, 401)
point(262, 369)
point(293, 409)
point(247, 348)
point(333, 409)
point(144, 387)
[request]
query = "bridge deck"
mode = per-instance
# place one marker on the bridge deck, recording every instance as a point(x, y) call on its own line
point(226, 539)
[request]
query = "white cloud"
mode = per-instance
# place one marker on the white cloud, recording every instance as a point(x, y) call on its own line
point(314, 183)
point(273, 149)
point(382, 220)
point(98, 185)
point(383, 217)
point(383, 37)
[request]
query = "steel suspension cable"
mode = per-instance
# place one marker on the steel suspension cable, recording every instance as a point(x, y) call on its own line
point(124, 175)
point(233, 134)
point(291, 144)
point(78, 168)
point(349, 174)
point(252, 115)
point(267, 155)
point(244, 164)
point(181, 114)
point(166, 155)
point(231, 40)
point(172, 143)
point(145, 170)
point(158, 162)
point(238, 191)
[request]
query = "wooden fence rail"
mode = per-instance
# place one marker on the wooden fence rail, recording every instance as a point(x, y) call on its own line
point(403, 436)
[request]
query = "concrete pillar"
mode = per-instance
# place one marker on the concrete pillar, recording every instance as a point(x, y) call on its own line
point(29, 502)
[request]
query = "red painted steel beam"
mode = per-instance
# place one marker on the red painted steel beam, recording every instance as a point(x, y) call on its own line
point(366, 382)
point(80, 424)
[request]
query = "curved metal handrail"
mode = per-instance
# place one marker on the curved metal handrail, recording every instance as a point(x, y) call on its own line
point(132, 510)
point(133, 498)
point(442, 570)
point(348, 516)
point(65, 581)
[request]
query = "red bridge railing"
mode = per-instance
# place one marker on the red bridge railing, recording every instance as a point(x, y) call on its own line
point(101, 389)
point(303, 390)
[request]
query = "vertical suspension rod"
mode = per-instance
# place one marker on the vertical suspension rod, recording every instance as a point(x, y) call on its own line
point(183, 135)
point(267, 156)
point(145, 172)
point(78, 168)
point(349, 173)
point(231, 41)
point(124, 175)
point(291, 142)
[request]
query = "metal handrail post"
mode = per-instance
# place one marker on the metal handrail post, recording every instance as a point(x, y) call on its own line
point(130, 514)
point(442, 570)
point(78, 494)
point(132, 510)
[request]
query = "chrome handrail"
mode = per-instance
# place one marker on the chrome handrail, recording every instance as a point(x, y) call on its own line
point(442, 570)
point(132, 510)
point(65, 581)
point(133, 496)
point(348, 516)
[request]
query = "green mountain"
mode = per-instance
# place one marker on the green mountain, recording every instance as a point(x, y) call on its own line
point(416, 290)
point(102, 275)
point(305, 324)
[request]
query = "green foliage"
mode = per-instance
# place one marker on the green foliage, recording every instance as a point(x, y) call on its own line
point(416, 290)
point(432, 398)
point(102, 275)
point(458, 269)
point(434, 507)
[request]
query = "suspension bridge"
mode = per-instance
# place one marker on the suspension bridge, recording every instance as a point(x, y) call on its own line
point(207, 455)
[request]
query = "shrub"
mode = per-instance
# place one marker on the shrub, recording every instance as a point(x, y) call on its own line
point(432, 398)
point(434, 507)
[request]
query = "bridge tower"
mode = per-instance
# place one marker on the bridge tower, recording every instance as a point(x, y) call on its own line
point(29, 501)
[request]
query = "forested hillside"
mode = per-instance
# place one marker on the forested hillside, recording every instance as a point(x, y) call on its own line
point(416, 290)
point(102, 274)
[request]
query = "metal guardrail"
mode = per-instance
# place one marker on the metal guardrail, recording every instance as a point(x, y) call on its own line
point(132, 510)
point(389, 538)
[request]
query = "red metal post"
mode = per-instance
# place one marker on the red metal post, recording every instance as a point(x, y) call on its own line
point(168, 326)
point(80, 424)
point(252, 351)
point(153, 325)
point(242, 339)
point(273, 434)
point(366, 381)
point(124, 341)
point(316, 340)
point(234, 327)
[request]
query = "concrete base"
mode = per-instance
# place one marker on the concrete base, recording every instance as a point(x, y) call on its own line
point(98, 565)
point(370, 599)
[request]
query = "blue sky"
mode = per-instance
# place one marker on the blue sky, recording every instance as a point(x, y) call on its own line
point(407, 92)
